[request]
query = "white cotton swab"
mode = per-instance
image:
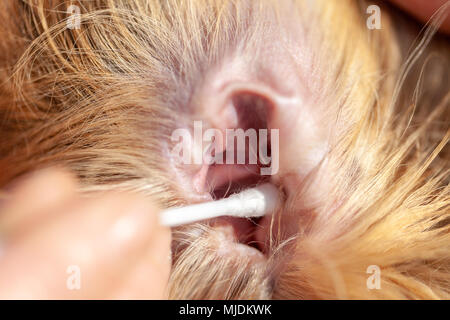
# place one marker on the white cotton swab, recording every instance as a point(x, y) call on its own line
point(254, 202)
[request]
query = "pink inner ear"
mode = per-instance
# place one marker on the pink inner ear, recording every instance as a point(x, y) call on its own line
point(242, 109)
point(263, 91)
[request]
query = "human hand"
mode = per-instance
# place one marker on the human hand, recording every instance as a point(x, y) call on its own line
point(424, 9)
point(49, 233)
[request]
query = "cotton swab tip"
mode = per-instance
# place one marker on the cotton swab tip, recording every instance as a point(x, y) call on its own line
point(253, 202)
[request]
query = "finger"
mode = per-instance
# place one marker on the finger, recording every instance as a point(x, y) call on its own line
point(32, 198)
point(424, 10)
point(100, 239)
point(149, 277)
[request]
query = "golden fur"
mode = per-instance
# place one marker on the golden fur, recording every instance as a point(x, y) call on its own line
point(99, 99)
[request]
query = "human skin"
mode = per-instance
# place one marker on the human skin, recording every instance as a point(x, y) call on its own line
point(46, 226)
point(424, 9)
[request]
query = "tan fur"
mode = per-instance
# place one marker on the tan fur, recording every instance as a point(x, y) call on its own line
point(99, 101)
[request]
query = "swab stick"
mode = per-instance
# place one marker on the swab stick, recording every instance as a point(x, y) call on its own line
point(254, 202)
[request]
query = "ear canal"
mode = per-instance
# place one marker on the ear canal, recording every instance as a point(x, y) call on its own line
point(259, 106)
point(252, 109)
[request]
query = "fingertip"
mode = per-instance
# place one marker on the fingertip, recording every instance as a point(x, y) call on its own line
point(49, 179)
point(424, 10)
point(32, 198)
